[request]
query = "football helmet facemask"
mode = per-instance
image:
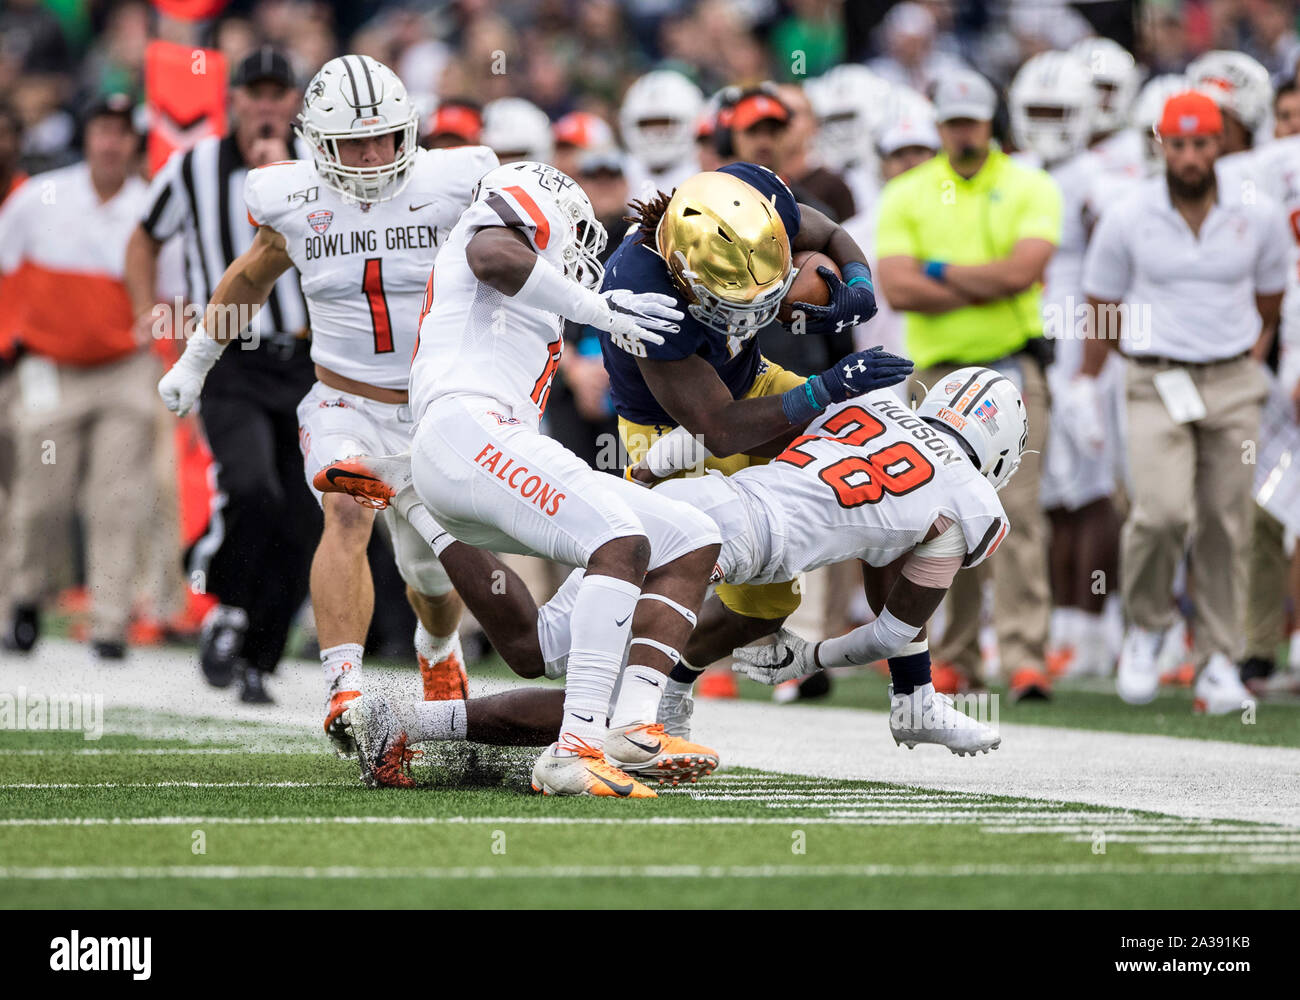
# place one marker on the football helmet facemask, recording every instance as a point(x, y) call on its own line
point(356, 97)
point(1053, 104)
point(728, 252)
point(584, 236)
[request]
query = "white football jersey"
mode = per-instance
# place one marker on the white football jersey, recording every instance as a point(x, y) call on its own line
point(868, 481)
point(364, 267)
point(478, 340)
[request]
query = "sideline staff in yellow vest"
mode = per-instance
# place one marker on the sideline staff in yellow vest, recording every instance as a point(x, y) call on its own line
point(962, 241)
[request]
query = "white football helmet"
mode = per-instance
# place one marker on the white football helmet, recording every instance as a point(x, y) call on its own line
point(584, 237)
point(1052, 103)
point(1148, 108)
point(354, 97)
point(516, 129)
point(984, 411)
point(1114, 76)
point(851, 103)
point(658, 117)
point(1238, 84)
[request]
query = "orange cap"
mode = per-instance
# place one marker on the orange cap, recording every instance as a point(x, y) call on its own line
point(1190, 113)
point(756, 108)
point(459, 120)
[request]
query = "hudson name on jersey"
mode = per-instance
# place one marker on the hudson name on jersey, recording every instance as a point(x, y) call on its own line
point(364, 266)
point(868, 480)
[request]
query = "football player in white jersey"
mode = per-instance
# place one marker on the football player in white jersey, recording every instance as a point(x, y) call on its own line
point(362, 221)
point(852, 105)
point(657, 120)
point(911, 494)
point(521, 260)
point(1053, 110)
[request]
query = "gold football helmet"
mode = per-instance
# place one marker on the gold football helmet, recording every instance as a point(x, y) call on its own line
point(728, 251)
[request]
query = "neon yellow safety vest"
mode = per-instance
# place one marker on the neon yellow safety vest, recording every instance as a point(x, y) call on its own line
point(933, 213)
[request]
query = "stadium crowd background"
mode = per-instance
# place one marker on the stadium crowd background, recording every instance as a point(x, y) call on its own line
point(564, 56)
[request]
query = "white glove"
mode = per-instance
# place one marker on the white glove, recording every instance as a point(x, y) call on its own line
point(632, 318)
point(180, 387)
point(789, 657)
point(1085, 420)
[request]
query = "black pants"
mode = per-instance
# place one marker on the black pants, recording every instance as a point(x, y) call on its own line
point(266, 523)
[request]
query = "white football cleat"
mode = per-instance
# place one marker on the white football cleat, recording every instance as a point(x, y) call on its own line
point(372, 480)
point(583, 770)
point(381, 739)
point(675, 707)
point(646, 751)
point(1219, 690)
point(926, 716)
point(1138, 677)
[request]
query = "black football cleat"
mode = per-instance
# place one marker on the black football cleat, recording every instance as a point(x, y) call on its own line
point(24, 628)
point(252, 686)
point(109, 649)
point(221, 639)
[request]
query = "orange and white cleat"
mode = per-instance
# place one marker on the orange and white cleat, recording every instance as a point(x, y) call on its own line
point(583, 770)
point(646, 751)
point(371, 480)
point(382, 749)
point(336, 728)
point(445, 679)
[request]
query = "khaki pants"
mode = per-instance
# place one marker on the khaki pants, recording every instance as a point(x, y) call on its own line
point(1021, 596)
point(89, 448)
point(1191, 479)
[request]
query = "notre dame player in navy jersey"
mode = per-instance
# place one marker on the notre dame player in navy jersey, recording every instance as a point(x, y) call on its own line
point(722, 245)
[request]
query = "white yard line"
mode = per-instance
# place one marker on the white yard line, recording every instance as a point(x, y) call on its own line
point(225, 872)
point(1179, 777)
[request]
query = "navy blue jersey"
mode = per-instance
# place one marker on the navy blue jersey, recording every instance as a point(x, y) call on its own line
point(637, 266)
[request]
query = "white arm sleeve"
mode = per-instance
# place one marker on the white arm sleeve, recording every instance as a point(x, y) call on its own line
point(885, 637)
point(676, 451)
point(549, 290)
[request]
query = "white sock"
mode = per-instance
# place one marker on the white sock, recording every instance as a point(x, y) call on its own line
point(553, 624)
point(638, 698)
point(417, 515)
point(343, 659)
point(433, 720)
point(681, 688)
point(600, 624)
point(432, 647)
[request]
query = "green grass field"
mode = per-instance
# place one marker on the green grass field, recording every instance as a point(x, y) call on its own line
point(249, 816)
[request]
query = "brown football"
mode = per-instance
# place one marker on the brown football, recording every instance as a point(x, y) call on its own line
point(808, 285)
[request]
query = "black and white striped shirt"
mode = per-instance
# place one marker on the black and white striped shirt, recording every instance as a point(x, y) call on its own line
point(200, 194)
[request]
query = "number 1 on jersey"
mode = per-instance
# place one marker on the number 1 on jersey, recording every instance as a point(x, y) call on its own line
point(373, 285)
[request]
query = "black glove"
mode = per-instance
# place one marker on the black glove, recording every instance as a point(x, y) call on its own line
point(861, 372)
point(849, 306)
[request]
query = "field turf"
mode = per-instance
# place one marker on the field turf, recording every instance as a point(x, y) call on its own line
point(214, 814)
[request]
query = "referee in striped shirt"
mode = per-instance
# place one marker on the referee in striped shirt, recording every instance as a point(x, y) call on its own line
point(256, 554)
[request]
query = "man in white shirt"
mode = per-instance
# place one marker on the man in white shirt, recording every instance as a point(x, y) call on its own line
point(84, 421)
point(1200, 277)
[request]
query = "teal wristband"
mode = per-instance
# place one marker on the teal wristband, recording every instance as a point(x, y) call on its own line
point(934, 269)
